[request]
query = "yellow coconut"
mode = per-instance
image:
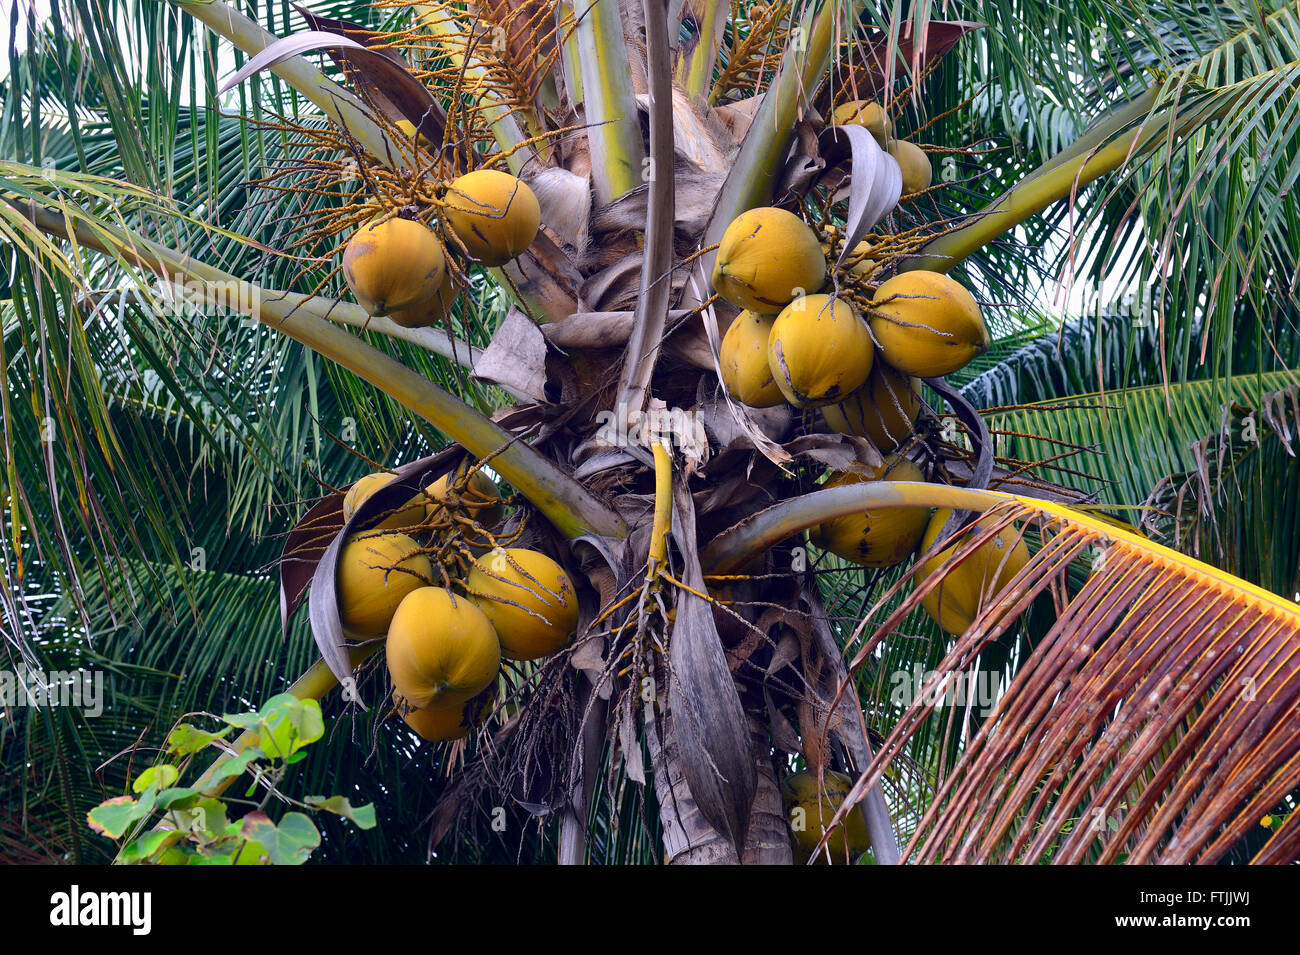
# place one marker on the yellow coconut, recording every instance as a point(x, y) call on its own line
point(879, 537)
point(810, 809)
point(441, 649)
point(767, 258)
point(529, 599)
point(494, 214)
point(866, 113)
point(438, 725)
point(860, 263)
point(407, 129)
point(392, 265)
point(433, 312)
point(926, 324)
point(408, 516)
point(954, 604)
point(884, 409)
point(478, 498)
point(743, 360)
point(375, 574)
point(914, 163)
point(819, 351)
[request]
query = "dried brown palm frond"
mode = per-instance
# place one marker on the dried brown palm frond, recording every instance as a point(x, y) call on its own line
point(1157, 721)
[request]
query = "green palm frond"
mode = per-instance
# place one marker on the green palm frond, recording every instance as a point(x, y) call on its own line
point(1131, 438)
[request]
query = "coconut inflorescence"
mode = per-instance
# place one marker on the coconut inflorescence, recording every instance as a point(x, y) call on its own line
point(473, 494)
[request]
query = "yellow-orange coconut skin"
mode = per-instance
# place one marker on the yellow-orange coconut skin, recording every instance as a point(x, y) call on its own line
point(767, 257)
point(819, 351)
point(800, 792)
point(880, 537)
point(441, 649)
point(494, 214)
point(954, 604)
point(406, 517)
point(375, 574)
point(393, 265)
point(529, 598)
point(927, 324)
point(913, 163)
point(433, 312)
point(884, 409)
point(436, 726)
point(743, 360)
point(866, 113)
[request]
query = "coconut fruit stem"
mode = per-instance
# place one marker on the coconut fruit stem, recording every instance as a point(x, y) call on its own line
point(663, 519)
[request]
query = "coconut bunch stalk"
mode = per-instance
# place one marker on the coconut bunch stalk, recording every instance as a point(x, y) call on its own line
point(674, 510)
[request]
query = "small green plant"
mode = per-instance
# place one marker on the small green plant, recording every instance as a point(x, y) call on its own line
point(170, 824)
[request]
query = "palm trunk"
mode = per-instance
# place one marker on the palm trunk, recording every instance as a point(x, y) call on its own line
point(688, 837)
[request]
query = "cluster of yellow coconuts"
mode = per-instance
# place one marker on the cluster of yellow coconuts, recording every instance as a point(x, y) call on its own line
point(401, 269)
point(444, 646)
point(794, 344)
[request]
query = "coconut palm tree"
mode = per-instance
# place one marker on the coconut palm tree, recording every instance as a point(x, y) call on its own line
point(177, 451)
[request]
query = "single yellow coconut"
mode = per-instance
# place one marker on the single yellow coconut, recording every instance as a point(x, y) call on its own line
point(393, 265)
point(407, 516)
point(914, 163)
point(375, 574)
point(879, 537)
point(810, 809)
point(884, 409)
point(438, 725)
point(494, 214)
point(529, 599)
point(435, 311)
point(819, 351)
point(767, 258)
point(926, 324)
point(441, 649)
point(955, 603)
point(743, 360)
point(866, 113)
